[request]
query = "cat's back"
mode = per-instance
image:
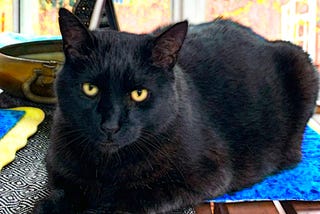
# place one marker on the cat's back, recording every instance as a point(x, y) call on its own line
point(221, 41)
point(228, 61)
point(254, 93)
point(221, 29)
point(226, 58)
point(249, 89)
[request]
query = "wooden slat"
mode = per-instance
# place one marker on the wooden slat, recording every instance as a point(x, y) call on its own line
point(318, 109)
point(220, 208)
point(288, 208)
point(306, 206)
point(203, 209)
point(252, 208)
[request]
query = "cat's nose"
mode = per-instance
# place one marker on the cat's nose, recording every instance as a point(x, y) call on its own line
point(111, 125)
point(111, 128)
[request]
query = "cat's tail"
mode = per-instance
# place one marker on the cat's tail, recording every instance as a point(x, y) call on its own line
point(301, 85)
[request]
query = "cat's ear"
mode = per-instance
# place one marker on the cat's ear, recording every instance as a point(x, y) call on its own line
point(167, 45)
point(75, 36)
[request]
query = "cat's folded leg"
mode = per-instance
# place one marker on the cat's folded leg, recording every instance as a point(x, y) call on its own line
point(55, 203)
point(105, 211)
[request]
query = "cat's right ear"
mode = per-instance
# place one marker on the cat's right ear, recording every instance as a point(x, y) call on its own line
point(75, 36)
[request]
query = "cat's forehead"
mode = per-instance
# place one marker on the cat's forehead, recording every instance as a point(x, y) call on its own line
point(120, 44)
point(120, 54)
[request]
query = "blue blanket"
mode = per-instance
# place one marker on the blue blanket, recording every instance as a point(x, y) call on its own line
point(300, 183)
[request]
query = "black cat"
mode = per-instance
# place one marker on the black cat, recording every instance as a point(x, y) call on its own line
point(150, 123)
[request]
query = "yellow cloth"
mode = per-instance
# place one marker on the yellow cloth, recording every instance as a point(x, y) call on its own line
point(17, 137)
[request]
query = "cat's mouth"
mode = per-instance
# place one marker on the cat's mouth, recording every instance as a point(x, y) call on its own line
point(109, 147)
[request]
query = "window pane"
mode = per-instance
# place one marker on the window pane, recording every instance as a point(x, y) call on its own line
point(297, 21)
point(42, 17)
point(133, 15)
point(141, 16)
point(6, 15)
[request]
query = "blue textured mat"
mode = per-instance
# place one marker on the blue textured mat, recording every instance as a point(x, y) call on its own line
point(8, 119)
point(300, 183)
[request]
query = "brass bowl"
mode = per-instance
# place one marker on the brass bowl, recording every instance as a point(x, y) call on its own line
point(29, 69)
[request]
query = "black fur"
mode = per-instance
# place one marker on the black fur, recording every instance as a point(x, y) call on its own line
point(225, 109)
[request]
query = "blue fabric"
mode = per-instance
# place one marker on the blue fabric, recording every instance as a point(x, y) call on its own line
point(300, 183)
point(8, 119)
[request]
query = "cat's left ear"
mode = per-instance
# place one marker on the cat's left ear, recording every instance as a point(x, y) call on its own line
point(76, 37)
point(167, 45)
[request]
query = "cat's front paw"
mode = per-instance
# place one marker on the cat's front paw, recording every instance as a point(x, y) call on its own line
point(106, 209)
point(46, 207)
point(54, 204)
point(51, 207)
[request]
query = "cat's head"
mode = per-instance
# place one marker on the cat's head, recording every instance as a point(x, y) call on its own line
point(117, 87)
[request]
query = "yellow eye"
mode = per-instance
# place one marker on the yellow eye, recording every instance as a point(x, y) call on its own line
point(90, 89)
point(139, 95)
